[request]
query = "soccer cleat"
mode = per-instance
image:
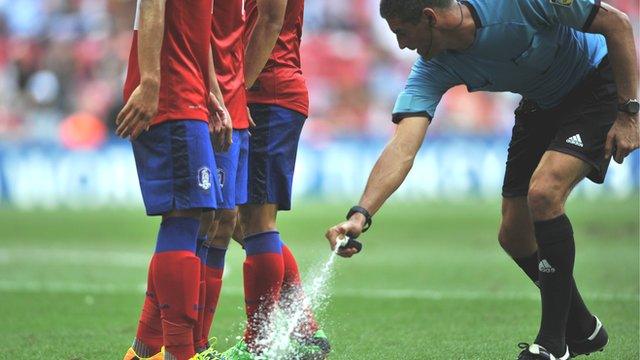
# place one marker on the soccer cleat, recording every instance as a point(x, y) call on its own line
point(537, 352)
point(131, 355)
point(210, 353)
point(593, 343)
point(239, 351)
point(315, 348)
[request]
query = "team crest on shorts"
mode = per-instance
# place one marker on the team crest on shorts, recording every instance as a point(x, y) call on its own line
point(221, 177)
point(204, 178)
point(562, 2)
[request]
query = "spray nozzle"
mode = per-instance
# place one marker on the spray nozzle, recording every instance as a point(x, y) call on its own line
point(343, 242)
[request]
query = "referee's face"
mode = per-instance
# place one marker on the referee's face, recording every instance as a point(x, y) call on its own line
point(414, 36)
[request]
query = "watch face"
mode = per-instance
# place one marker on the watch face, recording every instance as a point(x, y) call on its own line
point(633, 107)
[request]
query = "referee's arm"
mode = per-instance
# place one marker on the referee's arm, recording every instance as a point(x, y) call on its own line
point(618, 32)
point(394, 163)
point(387, 175)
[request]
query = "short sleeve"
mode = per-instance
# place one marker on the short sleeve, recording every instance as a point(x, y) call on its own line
point(426, 84)
point(577, 14)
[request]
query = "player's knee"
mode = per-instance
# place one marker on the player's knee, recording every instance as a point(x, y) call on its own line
point(226, 223)
point(226, 217)
point(545, 200)
point(206, 219)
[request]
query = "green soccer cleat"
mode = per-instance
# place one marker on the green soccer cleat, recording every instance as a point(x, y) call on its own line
point(315, 348)
point(210, 353)
point(239, 351)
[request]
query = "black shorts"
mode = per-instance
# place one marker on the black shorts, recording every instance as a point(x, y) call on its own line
point(578, 126)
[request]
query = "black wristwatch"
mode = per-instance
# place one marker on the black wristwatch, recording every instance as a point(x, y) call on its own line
point(631, 107)
point(364, 212)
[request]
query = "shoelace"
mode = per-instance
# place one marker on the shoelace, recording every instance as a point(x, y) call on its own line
point(210, 354)
point(523, 345)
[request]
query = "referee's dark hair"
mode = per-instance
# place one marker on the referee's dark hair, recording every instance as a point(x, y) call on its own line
point(410, 10)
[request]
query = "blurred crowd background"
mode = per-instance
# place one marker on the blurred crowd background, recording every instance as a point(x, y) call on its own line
point(62, 65)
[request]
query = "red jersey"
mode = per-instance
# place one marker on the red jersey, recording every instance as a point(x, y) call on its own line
point(227, 31)
point(184, 62)
point(281, 82)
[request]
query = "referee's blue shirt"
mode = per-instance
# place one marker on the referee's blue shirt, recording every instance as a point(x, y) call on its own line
point(535, 48)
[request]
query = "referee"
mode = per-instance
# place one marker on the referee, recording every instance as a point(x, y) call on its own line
point(574, 63)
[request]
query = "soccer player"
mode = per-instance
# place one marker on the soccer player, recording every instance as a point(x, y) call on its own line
point(278, 102)
point(168, 105)
point(574, 62)
point(227, 37)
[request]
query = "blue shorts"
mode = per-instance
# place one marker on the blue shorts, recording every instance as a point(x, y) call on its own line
point(232, 171)
point(273, 147)
point(174, 161)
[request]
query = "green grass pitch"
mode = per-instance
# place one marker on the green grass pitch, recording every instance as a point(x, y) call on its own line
point(432, 282)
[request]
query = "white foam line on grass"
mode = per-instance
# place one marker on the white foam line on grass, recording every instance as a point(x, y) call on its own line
point(10, 286)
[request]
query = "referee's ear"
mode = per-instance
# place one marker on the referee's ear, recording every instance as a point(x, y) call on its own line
point(430, 16)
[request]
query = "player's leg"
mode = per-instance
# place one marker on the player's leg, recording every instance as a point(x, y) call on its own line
point(174, 163)
point(219, 238)
point(232, 177)
point(206, 223)
point(263, 270)
point(177, 280)
point(272, 156)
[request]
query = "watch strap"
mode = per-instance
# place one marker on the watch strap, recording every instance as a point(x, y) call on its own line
point(364, 212)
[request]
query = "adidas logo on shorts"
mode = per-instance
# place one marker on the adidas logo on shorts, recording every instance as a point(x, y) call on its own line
point(545, 267)
point(575, 140)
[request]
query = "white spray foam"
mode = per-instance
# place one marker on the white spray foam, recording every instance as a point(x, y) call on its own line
point(289, 321)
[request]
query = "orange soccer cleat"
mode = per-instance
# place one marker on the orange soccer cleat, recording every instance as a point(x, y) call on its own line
point(131, 355)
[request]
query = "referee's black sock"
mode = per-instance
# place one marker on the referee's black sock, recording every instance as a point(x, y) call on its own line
point(556, 254)
point(581, 322)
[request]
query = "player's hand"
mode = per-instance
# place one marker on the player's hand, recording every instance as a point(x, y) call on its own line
point(136, 115)
point(623, 137)
point(220, 124)
point(351, 228)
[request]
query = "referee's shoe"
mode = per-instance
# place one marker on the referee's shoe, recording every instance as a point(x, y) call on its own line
point(537, 352)
point(593, 343)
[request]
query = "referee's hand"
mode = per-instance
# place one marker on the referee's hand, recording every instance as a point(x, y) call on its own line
point(623, 137)
point(351, 228)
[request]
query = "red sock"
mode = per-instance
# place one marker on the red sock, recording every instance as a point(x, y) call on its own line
point(177, 280)
point(292, 287)
point(176, 276)
point(263, 276)
point(150, 325)
point(198, 328)
point(214, 284)
point(213, 278)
